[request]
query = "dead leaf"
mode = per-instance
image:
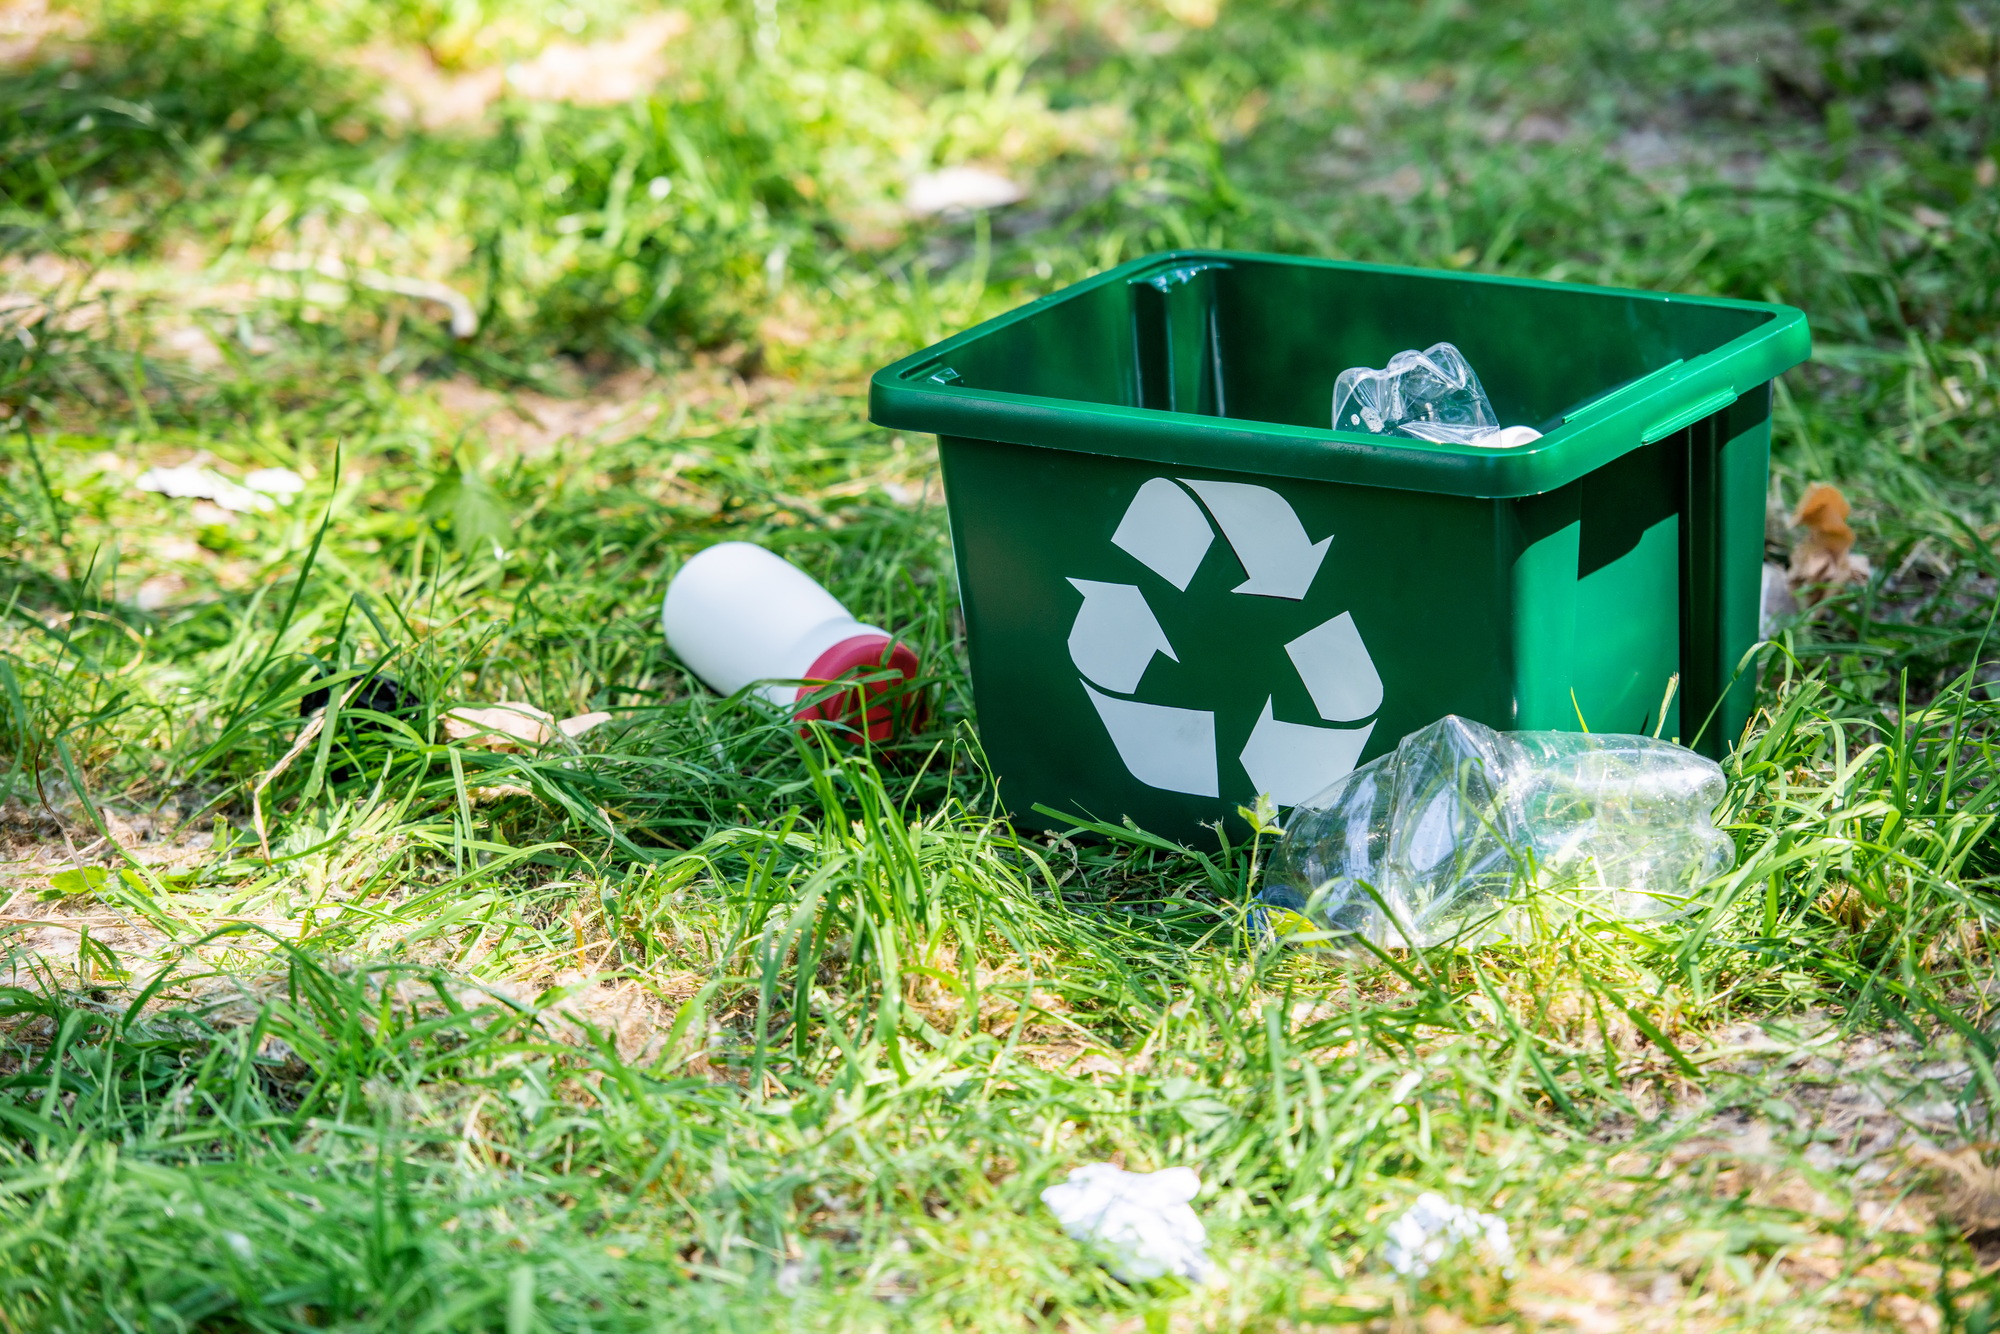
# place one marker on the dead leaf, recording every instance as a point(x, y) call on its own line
point(27, 25)
point(531, 424)
point(1194, 13)
point(1847, 905)
point(415, 90)
point(1971, 1188)
point(956, 191)
point(601, 73)
point(510, 725)
point(1826, 554)
point(1894, 1216)
point(501, 726)
point(583, 722)
point(1583, 1300)
point(1914, 1315)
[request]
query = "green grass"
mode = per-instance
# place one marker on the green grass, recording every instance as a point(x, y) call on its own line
point(700, 1023)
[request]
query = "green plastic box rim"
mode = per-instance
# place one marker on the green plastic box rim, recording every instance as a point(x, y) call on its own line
point(924, 392)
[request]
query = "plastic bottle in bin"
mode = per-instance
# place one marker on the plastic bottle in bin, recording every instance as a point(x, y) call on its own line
point(738, 614)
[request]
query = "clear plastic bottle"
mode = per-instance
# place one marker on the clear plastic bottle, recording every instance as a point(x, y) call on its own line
point(1432, 395)
point(1449, 829)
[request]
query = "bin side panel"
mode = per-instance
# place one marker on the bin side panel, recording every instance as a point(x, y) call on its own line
point(1726, 463)
point(1081, 349)
point(1628, 593)
point(1403, 619)
point(1536, 544)
point(1745, 479)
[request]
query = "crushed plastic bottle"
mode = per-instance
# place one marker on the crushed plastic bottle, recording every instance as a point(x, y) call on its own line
point(1430, 395)
point(1449, 829)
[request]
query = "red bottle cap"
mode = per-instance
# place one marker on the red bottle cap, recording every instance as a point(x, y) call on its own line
point(867, 654)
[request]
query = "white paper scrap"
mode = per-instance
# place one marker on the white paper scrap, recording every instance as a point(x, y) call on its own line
point(190, 482)
point(281, 483)
point(1141, 1220)
point(1433, 1225)
point(960, 190)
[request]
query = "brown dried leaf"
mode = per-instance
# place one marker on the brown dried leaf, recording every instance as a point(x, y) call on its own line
point(510, 724)
point(1847, 905)
point(417, 91)
point(1826, 554)
point(28, 30)
point(1971, 1188)
point(601, 73)
point(1578, 1299)
point(505, 726)
point(583, 722)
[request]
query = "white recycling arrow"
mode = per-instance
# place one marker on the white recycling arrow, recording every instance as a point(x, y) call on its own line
point(1165, 531)
point(1339, 674)
point(1292, 763)
point(1267, 536)
point(1173, 749)
point(1115, 635)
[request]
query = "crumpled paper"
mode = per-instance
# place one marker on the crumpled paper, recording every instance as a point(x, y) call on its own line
point(1140, 1220)
point(258, 492)
point(1434, 1225)
point(956, 191)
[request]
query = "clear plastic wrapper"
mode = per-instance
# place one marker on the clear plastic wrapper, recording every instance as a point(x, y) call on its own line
point(1430, 395)
point(1452, 828)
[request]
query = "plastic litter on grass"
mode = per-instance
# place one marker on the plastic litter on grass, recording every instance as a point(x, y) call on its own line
point(259, 491)
point(1434, 1226)
point(1430, 842)
point(1141, 1221)
point(739, 615)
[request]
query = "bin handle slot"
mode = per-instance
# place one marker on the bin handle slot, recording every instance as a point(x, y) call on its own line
point(1631, 389)
point(1688, 415)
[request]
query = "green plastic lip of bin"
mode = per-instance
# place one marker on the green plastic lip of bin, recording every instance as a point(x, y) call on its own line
point(1560, 584)
point(1594, 432)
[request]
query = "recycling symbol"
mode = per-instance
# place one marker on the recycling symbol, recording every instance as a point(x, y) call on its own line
point(1167, 529)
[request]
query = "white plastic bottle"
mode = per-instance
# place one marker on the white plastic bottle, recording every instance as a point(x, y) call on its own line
point(738, 614)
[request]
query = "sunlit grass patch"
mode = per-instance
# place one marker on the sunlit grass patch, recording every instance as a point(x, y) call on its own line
point(331, 1019)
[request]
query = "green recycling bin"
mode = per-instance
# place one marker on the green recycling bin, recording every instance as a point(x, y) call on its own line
point(1182, 589)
